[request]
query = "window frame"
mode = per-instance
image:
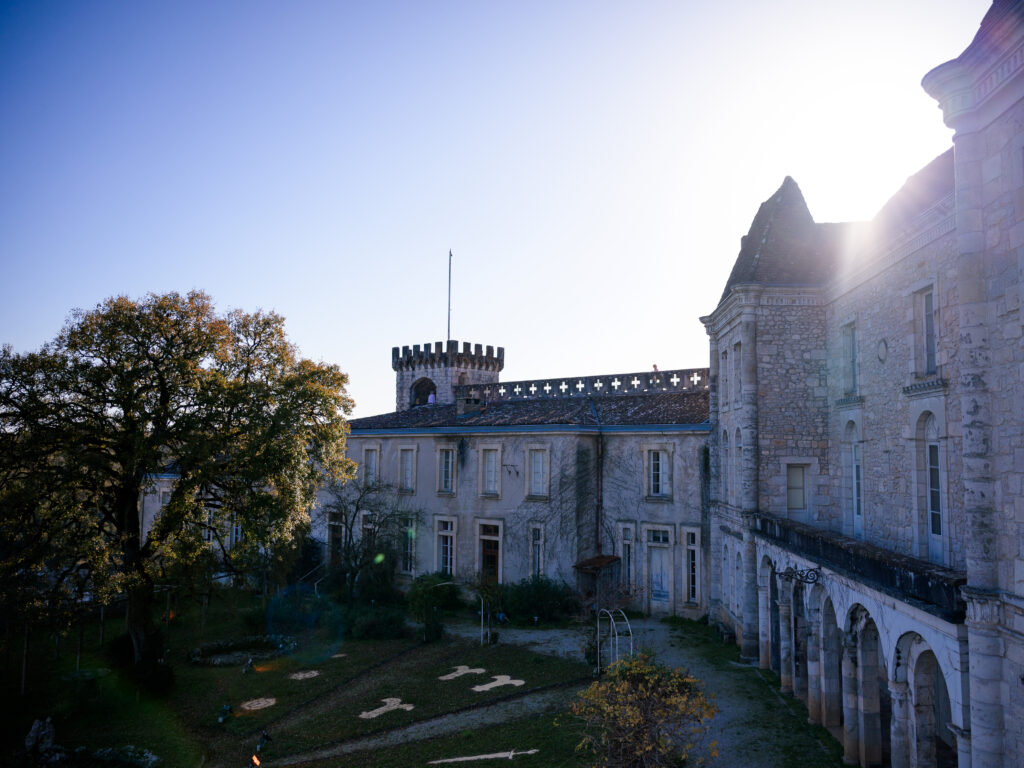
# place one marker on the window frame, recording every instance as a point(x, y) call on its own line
point(479, 523)
point(448, 451)
point(664, 462)
point(482, 453)
point(544, 492)
point(451, 534)
point(691, 563)
point(407, 551)
point(368, 448)
point(536, 543)
point(404, 450)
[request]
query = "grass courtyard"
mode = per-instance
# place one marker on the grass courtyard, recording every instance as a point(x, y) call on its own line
point(310, 701)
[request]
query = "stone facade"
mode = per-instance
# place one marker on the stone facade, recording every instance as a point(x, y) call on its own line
point(439, 368)
point(866, 526)
point(556, 472)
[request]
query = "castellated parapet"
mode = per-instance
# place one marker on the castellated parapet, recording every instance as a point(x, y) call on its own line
point(437, 368)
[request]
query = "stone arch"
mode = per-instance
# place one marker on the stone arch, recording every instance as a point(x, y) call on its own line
point(800, 633)
point(737, 585)
point(764, 632)
point(866, 722)
point(921, 707)
point(726, 585)
point(421, 391)
point(831, 667)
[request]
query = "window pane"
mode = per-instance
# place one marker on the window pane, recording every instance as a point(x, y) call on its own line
point(795, 487)
point(490, 471)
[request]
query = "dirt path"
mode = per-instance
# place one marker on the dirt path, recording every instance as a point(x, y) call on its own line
point(755, 728)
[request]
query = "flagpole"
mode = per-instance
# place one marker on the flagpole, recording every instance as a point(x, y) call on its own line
point(449, 294)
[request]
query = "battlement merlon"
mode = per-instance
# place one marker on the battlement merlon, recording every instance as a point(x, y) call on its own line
point(438, 354)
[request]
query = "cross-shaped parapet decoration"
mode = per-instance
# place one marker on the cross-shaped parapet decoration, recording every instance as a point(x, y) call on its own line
point(563, 386)
point(616, 383)
point(598, 385)
point(675, 380)
point(695, 378)
point(635, 382)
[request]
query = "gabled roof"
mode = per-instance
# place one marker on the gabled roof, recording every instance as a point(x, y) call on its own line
point(783, 246)
point(591, 411)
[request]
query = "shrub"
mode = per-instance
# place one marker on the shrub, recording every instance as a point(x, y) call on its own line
point(643, 714)
point(373, 623)
point(539, 596)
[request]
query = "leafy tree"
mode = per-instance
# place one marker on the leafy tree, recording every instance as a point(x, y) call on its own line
point(369, 524)
point(643, 714)
point(134, 388)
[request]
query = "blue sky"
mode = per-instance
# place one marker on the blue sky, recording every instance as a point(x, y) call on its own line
point(592, 165)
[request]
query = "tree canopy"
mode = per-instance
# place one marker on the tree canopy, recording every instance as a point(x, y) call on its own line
point(136, 388)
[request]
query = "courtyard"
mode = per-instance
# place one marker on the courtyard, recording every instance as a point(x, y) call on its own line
point(397, 702)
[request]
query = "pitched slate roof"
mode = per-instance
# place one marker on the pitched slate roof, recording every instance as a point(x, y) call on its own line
point(612, 410)
point(783, 246)
point(919, 193)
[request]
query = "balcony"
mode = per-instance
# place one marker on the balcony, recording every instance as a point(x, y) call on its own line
point(929, 587)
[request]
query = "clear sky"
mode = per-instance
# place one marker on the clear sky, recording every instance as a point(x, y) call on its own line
point(592, 165)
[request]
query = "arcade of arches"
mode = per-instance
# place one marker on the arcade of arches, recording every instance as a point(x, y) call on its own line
point(889, 694)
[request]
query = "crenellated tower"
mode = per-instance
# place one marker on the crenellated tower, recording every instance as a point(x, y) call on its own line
point(435, 369)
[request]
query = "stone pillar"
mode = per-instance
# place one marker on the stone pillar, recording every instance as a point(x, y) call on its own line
point(851, 738)
point(813, 668)
point(899, 738)
point(764, 627)
point(869, 721)
point(749, 642)
point(831, 682)
point(963, 746)
point(986, 649)
point(786, 646)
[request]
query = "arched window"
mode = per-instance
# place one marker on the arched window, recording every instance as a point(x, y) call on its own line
point(423, 391)
point(931, 488)
point(853, 464)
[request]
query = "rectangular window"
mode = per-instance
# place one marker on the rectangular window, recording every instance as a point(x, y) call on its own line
point(934, 492)
point(658, 484)
point(446, 546)
point(857, 490)
point(796, 498)
point(371, 463)
point(723, 375)
point(737, 375)
point(657, 536)
point(538, 473)
point(236, 530)
point(165, 498)
point(850, 358)
point(408, 544)
point(490, 552)
point(446, 470)
point(928, 330)
point(406, 470)
point(208, 528)
point(490, 472)
point(536, 551)
point(692, 591)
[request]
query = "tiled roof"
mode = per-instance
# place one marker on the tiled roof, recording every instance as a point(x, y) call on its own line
point(784, 246)
point(618, 410)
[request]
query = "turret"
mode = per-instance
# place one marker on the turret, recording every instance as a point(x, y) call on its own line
point(428, 374)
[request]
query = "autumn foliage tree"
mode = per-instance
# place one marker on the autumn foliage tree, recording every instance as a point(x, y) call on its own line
point(643, 714)
point(131, 389)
